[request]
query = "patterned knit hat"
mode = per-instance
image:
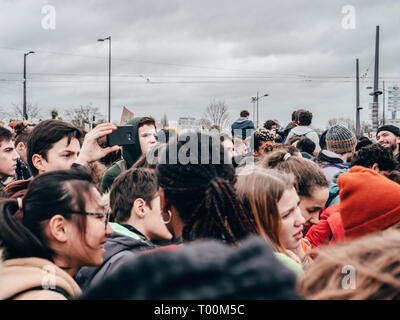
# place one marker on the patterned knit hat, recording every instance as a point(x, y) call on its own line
point(340, 140)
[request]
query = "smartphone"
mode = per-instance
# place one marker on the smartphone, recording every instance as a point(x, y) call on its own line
point(123, 136)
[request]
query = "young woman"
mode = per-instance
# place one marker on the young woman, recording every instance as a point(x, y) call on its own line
point(64, 226)
point(271, 198)
point(310, 182)
point(197, 191)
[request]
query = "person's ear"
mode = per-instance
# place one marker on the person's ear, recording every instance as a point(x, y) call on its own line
point(139, 208)
point(59, 228)
point(375, 167)
point(38, 162)
point(20, 146)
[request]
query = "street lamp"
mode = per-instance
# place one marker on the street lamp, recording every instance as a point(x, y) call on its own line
point(109, 75)
point(24, 114)
point(376, 94)
point(255, 99)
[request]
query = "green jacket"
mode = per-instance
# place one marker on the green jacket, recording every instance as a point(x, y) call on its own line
point(130, 153)
point(290, 264)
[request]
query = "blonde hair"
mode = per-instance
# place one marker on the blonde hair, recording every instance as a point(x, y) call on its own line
point(376, 263)
point(260, 190)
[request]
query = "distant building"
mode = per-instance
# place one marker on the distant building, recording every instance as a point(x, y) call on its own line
point(393, 106)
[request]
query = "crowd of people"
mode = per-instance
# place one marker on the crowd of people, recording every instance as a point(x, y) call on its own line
point(253, 213)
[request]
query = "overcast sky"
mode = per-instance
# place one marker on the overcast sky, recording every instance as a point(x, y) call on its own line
point(174, 57)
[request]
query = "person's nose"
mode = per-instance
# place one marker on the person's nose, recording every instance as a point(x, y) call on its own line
point(314, 218)
point(300, 220)
point(15, 155)
point(109, 230)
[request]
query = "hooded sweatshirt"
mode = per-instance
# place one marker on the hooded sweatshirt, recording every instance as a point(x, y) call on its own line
point(307, 132)
point(118, 245)
point(331, 164)
point(243, 124)
point(130, 153)
point(28, 278)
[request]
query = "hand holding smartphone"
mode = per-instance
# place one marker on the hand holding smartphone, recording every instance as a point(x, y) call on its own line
point(124, 135)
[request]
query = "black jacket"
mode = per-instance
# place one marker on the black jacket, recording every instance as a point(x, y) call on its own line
point(117, 247)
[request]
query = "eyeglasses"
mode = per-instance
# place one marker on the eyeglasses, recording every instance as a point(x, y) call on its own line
point(105, 216)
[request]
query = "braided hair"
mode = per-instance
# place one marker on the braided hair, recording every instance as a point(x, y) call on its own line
point(200, 187)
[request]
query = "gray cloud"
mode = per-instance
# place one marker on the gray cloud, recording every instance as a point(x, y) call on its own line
point(196, 51)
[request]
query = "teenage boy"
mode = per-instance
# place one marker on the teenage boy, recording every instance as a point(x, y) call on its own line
point(56, 145)
point(8, 159)
point(144, 132)
point(136, 209)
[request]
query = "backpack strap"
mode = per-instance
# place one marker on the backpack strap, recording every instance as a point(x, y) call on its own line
point(55, 289)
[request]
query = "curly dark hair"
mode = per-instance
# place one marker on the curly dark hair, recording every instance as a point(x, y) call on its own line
point(203, 193)
point(269, 123)
point(362, 142)
point(375, 153)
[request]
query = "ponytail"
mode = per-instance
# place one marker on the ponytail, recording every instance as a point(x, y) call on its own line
point(17, 240)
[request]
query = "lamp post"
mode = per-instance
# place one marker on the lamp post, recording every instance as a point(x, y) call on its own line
point(375, 94)
point(109, 75)
point(255, 99)
point(24, 114)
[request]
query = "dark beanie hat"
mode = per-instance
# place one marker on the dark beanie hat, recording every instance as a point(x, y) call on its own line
point(340, 140)
point(388, 127)
point(204, 270)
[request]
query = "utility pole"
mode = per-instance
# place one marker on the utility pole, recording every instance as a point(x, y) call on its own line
point(375, 107)
point(358, 108)
point(109, 80)
point(383, 103)
point(257, 110)
point(109, 75)
point(253, 99)
point(24, 113)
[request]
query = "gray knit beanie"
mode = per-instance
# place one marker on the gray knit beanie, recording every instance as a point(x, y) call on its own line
point(340, 140)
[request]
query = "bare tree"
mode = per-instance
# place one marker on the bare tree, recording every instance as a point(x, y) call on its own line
point(84, 114)
point(16, 112)
point(216, 116)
